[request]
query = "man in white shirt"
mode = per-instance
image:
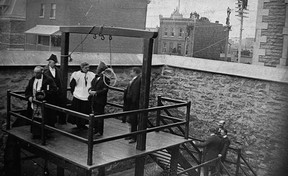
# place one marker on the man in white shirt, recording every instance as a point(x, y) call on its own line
point(80, 82)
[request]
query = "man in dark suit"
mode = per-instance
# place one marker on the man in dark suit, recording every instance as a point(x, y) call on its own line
point(41, 87)
point(131, 99)
point(98, 96)
point(212, 146)
point(225, 145)
point(53, 72)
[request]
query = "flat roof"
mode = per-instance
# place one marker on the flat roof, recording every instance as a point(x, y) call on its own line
point(44, 30)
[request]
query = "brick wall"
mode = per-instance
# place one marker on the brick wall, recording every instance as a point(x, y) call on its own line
point(255, 110)
point(120, 13)
point(209, 40)
point(11, 34)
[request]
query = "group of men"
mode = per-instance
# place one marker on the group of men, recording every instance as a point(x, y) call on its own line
point(216, 145)
point(89, 92)
point(90, 96)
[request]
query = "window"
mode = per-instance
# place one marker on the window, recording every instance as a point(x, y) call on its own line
point(164, 49)
point(42, 10)
point(165, 32)
point(180, 32)
point(56, 40)
point(179, 48)
point(53, 11)
point(43, 40)
point(172, 32)
point(170, 47)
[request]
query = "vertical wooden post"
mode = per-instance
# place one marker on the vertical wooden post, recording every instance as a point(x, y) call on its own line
point(158, 112)
point(238, 161)
point(139, 166)
point(60, 171)
point(64, 60)
point(101, 171)
point(43, 122)
point(144, 92)
point(90, 140)
point(8, 110)
point(87, 173)
point(174, 160)
point(187, 120)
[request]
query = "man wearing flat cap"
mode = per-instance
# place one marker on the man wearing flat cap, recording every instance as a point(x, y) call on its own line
point(53, 72)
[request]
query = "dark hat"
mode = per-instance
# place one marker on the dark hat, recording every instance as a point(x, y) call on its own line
point(53, 57)
point(101, 67)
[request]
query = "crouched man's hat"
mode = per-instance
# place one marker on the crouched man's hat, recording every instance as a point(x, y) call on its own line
point(53, 57)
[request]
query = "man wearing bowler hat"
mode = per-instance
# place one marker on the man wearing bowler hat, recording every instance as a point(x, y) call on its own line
point(53, 72)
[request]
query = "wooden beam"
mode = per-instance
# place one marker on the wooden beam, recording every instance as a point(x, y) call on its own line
point(174, 160)
point(60, 171)
point(64, 60)
point(144, 91)
point(107, 30)
point(139, 166)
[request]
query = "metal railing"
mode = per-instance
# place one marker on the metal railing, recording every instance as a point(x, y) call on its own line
point(241, 163)
point(91, 118)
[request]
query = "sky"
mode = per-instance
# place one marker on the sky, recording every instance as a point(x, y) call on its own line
point(214, 10)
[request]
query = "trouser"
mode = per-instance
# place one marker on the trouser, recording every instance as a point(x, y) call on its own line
point(99, 122)
point(134, 123)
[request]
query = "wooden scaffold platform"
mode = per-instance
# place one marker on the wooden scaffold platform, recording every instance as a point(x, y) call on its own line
point(81, 151)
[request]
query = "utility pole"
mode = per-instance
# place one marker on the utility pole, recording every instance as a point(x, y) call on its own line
point(193, 36)
point(242, 4)
point(227, 28)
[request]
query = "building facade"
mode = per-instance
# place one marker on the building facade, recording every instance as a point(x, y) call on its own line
point(12, 24)
point(271, 44)
point(44, 17)
point(194, 36)
point(172, 34)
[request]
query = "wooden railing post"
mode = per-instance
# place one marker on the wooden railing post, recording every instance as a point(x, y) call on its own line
point(238, 162)
point(8, 110)
point(175, 152)
point(187, 120)
point(158, 112)
point(43, 122)
point(90, 140)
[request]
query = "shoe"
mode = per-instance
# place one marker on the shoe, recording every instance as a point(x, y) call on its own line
point(128, 138)
point(62, 123)
point(82, 127)
point(98, 134)
point(132, 141)
point(36, 136)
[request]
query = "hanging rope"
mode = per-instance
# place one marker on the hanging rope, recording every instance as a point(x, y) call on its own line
point(110, 50)
point(109, 72)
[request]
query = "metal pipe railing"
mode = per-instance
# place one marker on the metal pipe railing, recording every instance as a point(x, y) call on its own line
point(90, 142)
point(218, 159)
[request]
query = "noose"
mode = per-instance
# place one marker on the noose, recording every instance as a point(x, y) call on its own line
point(109, 72)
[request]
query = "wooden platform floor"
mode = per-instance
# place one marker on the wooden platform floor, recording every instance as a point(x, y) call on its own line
point(75, 152)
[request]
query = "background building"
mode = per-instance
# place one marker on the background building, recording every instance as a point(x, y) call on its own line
point(12, 24)
point(44, 17)
point(193, 36)
point(271, 44)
